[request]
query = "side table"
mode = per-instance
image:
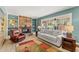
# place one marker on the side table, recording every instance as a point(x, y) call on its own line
point(69, 44)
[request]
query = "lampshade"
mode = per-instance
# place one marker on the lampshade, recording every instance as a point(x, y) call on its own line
point(69, 28)
point(39, 27)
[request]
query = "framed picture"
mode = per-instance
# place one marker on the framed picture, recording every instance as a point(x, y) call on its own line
point(58, 22)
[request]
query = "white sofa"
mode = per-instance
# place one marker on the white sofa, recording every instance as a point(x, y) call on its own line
point(54, 36)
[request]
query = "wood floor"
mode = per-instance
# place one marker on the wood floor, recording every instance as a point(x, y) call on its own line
point(8, 46)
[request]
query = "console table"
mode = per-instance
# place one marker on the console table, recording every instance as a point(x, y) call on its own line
point(69, 44)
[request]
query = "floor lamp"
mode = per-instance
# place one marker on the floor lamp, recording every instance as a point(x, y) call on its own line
point(69, 28)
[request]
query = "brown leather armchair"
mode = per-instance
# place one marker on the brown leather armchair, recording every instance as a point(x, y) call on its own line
point(16, 36)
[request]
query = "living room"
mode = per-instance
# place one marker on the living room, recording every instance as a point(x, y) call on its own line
point(39, 29)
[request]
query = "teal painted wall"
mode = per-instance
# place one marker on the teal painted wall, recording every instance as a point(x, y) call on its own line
point(12, 17)
point(75, 19)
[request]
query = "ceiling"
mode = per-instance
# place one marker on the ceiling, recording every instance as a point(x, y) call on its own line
point(34, 11)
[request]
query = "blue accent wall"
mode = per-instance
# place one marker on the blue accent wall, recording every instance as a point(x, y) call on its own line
point(12, 17)
point(75, 19)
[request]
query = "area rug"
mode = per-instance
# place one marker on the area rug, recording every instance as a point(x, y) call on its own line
point(32, 46)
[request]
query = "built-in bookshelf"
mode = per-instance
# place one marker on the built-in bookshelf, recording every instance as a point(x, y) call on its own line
point(33, 25)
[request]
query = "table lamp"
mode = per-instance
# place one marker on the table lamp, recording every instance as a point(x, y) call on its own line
point(69, 28)
point(39, 27)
